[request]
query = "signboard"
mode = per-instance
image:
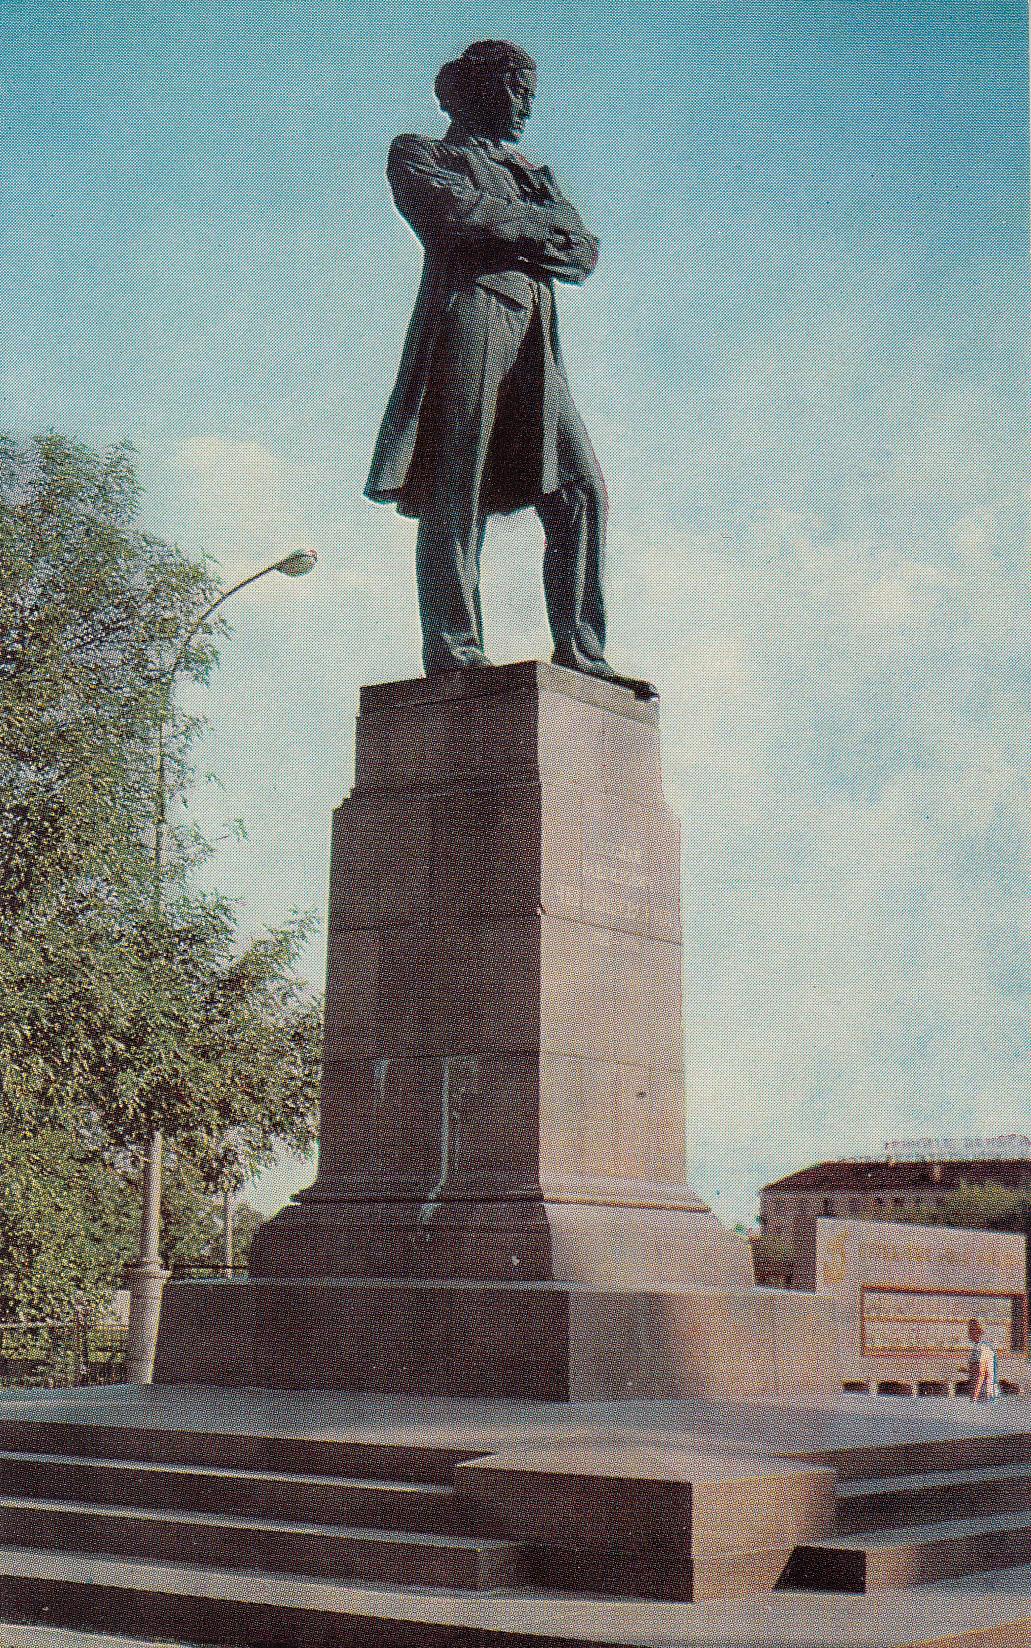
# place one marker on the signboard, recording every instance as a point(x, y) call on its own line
point(916, 1287)
point(1005, 1147)
point(910, 1322)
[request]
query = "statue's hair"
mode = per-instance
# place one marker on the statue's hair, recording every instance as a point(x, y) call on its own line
point(461, 84)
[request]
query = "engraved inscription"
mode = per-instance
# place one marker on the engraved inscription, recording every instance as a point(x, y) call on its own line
point(616, 885)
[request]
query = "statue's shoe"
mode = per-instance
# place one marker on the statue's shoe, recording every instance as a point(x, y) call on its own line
point(461, 661)
point(602, 670)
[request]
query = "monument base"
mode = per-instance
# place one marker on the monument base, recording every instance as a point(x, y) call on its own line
point(540, 1340)
point(502, 1206)
point(674, 1241)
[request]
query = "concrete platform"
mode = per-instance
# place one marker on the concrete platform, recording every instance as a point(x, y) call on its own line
point(886, 1453)
point(544, 1341)
point(58, 1636)
point(864, 1426)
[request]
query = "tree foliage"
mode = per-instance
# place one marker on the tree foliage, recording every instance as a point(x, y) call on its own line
point(67, 1224)
point(982, 1207)
point(89, 606)
point(127, 1003)
point(773, 1260)
point(70, 1217)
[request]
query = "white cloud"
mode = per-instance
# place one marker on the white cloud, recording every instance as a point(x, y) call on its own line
point(242, 504)
point(857, 853)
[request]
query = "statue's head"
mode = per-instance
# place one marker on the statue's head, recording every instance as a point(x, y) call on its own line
point(489, 89)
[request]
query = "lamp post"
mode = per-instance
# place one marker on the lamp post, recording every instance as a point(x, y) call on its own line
point(147, 1276)
point(230, 1186)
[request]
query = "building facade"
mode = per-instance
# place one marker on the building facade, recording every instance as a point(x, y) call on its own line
point(910, 1182)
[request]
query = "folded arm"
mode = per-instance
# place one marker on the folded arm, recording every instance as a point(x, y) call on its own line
point(572, 251)
point(546, 237)
point(567, 257)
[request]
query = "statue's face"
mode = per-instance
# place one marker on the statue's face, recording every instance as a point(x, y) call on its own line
point(508, 110)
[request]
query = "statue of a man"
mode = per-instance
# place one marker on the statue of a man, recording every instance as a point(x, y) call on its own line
point(481, 420)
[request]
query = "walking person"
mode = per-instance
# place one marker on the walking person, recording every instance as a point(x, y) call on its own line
point(983, 1370)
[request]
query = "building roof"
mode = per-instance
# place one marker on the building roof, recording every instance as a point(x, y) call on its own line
point(888, 1174)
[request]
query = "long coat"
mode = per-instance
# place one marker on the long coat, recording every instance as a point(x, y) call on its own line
point(480, 227)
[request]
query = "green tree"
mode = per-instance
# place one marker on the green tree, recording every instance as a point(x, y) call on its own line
point(88, 605)
point(70, 1217)
point(210, 1250)
point(67, 1224)
point(984, 1207)
point(773, 1258)
point(981, 1207)
point(127, 1003)
point(193, 1218)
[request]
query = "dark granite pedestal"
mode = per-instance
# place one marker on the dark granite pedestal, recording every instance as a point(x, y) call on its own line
point(502, 1205)
point(504, 1076)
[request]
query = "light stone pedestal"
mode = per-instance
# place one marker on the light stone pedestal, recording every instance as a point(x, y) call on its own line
point(501, 1205)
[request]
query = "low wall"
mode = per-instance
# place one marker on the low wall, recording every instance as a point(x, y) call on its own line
point(905, 1293)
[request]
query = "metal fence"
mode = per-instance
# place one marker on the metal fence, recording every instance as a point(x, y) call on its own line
point(50, 1355)
point(205, 1270)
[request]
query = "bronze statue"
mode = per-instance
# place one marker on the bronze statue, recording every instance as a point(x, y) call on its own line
point(481, 420)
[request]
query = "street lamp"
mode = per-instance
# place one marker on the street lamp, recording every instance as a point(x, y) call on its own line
point(146, 1275)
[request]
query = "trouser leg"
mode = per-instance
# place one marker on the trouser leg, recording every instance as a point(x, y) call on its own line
point(447, 561)
point(474, 355)
point(574, 519)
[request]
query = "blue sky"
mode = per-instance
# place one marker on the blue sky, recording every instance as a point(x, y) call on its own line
point(802, 359)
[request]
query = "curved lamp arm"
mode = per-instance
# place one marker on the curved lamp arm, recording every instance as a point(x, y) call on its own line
point(293, 566)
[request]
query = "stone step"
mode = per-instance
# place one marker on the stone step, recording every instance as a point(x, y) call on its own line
point(894, 1501)
point(377, 1555)
point(305, 1455)
point(373, 1555)
point(18, 1634)
point(637, 1576)
point(912, 1555)
point(916, 1458)
point(201, 1605)
point(355, 1501)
